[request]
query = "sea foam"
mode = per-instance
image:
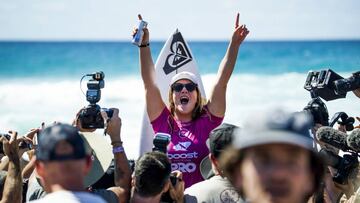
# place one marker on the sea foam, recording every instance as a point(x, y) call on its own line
point(27, 103)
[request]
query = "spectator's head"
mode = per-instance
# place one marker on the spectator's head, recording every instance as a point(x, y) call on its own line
point(184, 95)
point(62, 160)
point(152, 174)
point(219, 139)
point(273, 160)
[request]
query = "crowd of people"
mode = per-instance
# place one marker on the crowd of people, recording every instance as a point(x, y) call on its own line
point(271, 158)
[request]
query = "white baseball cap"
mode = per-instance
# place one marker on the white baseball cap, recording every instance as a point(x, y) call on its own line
point(184, 75)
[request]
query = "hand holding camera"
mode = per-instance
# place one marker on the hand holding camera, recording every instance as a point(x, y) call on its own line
point(113, 125)
point(177, 186)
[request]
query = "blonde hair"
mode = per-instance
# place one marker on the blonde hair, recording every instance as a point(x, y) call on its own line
point(199, 106)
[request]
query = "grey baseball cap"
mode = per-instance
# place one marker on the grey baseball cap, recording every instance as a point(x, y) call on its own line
point(273, 127)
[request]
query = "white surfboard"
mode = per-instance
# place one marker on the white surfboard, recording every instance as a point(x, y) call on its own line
point(174, 57)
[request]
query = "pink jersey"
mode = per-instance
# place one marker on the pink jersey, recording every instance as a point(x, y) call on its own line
point(188, 142)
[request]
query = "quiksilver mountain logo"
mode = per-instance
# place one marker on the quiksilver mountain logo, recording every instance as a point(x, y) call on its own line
point(179, 56)
point(182, 146)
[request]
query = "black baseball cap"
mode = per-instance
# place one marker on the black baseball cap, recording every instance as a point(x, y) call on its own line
point(220, 138)
point(60, 142)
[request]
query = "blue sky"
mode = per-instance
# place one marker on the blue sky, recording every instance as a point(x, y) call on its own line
point(196, 19)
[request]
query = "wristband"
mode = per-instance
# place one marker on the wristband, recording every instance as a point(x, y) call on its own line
point(116, 142)
point(118, 150)
point(144, 45)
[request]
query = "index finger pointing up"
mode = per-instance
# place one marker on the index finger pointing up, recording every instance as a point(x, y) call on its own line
point(237, 20)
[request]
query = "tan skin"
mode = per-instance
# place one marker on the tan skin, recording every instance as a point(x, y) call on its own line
point(13, 185)
point(275, 173)
point(217, 100)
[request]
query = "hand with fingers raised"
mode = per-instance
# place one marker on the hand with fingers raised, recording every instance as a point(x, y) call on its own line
point(240, 32)
point(11, 147)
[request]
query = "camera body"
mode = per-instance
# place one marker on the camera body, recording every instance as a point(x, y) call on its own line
point(318, 110)
point(347, 121)
point(22, 144)
point(342, 86)
point(329, 85)
point(90, 117)
point(161, 142)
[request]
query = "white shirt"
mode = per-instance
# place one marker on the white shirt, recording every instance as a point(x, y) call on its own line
point(70, 197)
point(214, 190)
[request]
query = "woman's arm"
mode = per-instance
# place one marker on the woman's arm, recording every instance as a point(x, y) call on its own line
point(154, 103)
point(217, 100)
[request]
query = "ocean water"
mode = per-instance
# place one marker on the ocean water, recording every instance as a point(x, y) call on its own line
point(40, 80)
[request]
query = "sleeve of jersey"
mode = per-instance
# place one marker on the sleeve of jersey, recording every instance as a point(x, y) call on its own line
point(160, 124)
point(214, 120)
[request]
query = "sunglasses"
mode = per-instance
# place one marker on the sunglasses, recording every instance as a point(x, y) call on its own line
point(177, 87)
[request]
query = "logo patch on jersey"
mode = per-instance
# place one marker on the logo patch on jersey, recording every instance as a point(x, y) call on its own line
point(182, 146)
point(180, 54)
point(229, 196)
point(185, 133)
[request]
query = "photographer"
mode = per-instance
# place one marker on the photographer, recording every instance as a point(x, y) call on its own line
point(122, 174)
point(152, 179)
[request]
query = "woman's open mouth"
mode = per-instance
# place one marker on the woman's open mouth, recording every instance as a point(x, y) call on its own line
point(184, 100)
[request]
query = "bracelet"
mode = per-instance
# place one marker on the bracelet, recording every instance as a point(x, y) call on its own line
point(144, 45)
point(119, 149)
point(116, 142)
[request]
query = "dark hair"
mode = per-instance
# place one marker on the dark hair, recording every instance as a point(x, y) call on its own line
point(152, 171)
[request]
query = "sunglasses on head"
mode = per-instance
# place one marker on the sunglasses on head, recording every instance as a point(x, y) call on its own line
point(177, 87)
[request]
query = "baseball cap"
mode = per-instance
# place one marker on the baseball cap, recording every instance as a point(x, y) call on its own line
point(219, 138)
point(184, 75)
point(276, 126)
point(60, 142)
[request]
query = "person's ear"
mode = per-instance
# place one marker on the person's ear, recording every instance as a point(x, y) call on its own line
point(39, 167)
point(166, 186)
point(133, 181)
point(88, 164)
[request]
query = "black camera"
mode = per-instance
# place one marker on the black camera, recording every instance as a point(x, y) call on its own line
point(329, 85)
point(161, 142)
point(22, 144)
point(345, 120)
point(342, 86)
point(317, 109)
point(90, 117)
point(346, 166)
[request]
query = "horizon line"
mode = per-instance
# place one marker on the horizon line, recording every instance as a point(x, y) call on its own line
point(189, 40)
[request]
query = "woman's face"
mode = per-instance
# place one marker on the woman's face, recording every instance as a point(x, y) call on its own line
point(184, 96)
